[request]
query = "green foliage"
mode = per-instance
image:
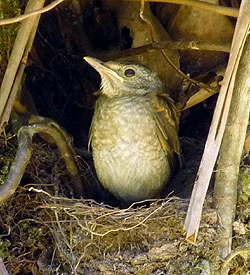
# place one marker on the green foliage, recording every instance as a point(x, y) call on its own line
point(34, 236)
point(4, 247)
point(4, 170)
point(245, 189)
point(8, 9)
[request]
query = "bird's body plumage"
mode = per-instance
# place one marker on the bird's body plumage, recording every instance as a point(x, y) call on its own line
point(132, 133)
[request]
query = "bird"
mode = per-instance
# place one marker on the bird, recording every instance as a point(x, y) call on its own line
point(134, 131)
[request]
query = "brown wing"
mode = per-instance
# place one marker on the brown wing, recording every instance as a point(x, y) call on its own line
point(167, 123)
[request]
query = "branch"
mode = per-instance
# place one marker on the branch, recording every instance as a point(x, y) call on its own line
point(18, 167)
point(192, 45)
point(40, 126)
point(238, 251)
point(232, 12)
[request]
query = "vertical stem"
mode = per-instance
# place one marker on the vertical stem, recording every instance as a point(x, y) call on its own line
point(225, 192)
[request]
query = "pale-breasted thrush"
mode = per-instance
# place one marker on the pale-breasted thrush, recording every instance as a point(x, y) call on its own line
point(134, 131)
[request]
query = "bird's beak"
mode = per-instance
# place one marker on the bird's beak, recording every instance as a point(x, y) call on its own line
point(103, 70)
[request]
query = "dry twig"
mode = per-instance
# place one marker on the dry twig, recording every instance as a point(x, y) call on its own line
point(24, 151)
point(233, 12)
point(233, 254)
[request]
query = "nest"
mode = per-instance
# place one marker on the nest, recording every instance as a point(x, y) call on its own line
point(83, 237)
point(55, 234)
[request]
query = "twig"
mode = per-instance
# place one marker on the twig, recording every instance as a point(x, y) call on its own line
point(62, 140)
point(29, 14)
point(147, 20)
point(232, 12)
point(18, 167)
point(192, 45)
point(217, 128)
point(198, 97)
point(238, 251)
point(24, 151)
point(23, 36)
point(116, 229)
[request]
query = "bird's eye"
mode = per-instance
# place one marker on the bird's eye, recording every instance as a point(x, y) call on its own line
point(129, 72)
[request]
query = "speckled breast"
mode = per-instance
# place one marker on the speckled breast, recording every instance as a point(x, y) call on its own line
point(128, 156)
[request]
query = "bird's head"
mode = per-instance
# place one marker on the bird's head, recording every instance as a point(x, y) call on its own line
point(125, 78)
